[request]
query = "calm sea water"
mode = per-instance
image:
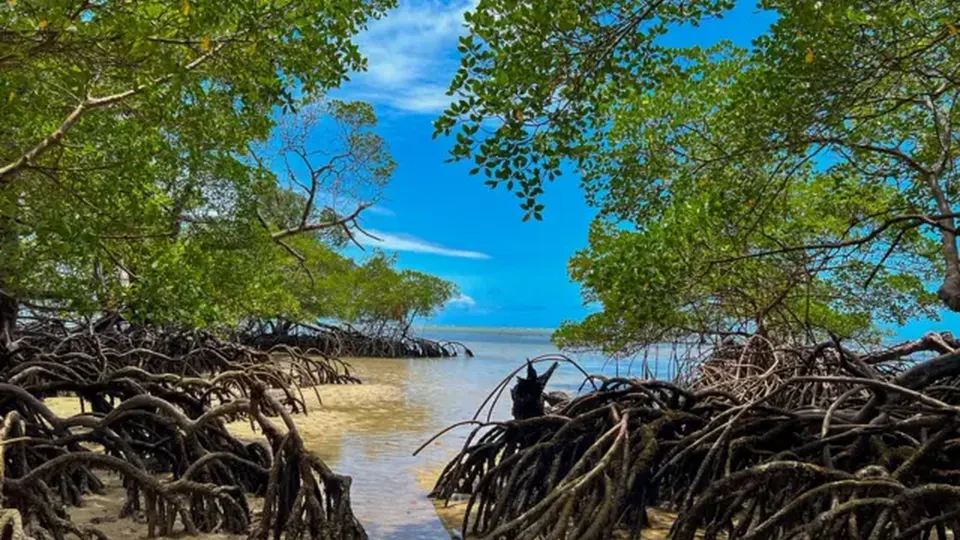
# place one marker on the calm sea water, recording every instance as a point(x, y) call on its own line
point(370, 431)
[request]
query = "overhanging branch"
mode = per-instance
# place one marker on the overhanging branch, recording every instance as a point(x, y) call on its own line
point(916, 219)
point(90, 103)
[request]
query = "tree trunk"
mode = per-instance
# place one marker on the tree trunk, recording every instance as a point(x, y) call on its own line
point(9, 308)
point(949, 291)
point(527, 394)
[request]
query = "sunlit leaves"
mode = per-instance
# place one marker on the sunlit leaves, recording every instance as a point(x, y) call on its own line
point(537, 79)
point(713, 168)
point(149, 205)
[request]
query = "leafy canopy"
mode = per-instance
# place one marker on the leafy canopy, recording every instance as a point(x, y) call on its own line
point(800, 186)
point(145, 168)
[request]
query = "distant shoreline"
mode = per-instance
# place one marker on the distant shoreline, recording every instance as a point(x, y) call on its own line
point(485, 329)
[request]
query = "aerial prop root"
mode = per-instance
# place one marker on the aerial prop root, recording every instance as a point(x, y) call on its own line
point(304, 498)
point(159, 421)
point(823, 443)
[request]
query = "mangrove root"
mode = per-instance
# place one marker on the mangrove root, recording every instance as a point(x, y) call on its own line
point(761, 441)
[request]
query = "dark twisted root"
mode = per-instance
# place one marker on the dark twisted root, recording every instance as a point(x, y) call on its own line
point(304, 498)
point(164, 434)
point(194, 354)
point(330, 340)
point(531, 478)
point(810, 443)
point(11, 524)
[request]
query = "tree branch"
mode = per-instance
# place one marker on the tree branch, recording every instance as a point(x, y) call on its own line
point(893, 152)
point(933, 221)
point(311, 227)
point(90, 103)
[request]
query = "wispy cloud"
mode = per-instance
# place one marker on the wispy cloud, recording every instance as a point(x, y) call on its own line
point(381, 211)
point(411, 55)
point(406, 242)
point(463, 301)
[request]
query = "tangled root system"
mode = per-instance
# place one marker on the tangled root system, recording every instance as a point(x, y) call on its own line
point(348, 341)
point(115, 344)
point(155, 411)
point(815, 442)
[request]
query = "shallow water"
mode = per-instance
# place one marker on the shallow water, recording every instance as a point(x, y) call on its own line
point(370, 431)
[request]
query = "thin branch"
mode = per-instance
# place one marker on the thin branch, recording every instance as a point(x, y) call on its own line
point(893, 152)
point(879, 265)
point(920, 219)
point(311, 227)
point(303, 260)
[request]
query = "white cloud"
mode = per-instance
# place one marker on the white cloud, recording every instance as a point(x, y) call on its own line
point(381, 210)
point(463, 301)
point(411, 55)
point(406, 242)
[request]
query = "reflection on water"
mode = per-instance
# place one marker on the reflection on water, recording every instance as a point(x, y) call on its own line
point(370, 431)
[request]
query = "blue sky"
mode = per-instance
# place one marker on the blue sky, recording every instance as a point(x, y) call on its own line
point(441, 220)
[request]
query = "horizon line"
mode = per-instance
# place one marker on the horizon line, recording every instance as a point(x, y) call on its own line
point(428, 326)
